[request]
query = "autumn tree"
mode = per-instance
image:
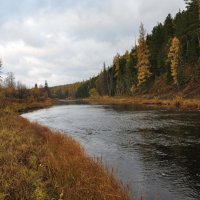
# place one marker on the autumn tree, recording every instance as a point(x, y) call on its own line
point(128, 69)
point(174, 58)
point(143, 64)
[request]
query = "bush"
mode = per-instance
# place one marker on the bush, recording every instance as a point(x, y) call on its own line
point(93, 92)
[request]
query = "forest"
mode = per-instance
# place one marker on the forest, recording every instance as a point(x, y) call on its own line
point(169, 57)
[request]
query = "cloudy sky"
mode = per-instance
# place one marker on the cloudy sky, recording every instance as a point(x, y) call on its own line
point(63, 41)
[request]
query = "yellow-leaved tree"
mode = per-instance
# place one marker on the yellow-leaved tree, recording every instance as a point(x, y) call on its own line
point(143, 64)
point(174, 58)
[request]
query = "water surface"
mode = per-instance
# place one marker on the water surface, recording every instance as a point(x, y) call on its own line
point(156, 152)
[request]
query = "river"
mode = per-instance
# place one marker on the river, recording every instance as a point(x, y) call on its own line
point(156, 152)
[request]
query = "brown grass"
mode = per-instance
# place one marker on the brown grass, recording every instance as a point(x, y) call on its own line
point(36, 163)
point(175, 103)
point(23, 105)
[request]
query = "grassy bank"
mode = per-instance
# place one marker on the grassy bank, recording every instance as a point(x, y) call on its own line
point(36, 163)
point(176, 103)
point(20, 106)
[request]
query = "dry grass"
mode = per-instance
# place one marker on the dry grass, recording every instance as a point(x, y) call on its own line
point(175, 103)
point(36, 163)
point(22, 105)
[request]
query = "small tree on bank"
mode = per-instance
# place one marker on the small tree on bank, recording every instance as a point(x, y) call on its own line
point(143, 64)
point(93, 93)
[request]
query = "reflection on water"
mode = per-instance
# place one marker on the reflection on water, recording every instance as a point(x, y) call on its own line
point(156, 152)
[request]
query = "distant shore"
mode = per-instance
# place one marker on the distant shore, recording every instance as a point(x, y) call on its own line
point(176, 103)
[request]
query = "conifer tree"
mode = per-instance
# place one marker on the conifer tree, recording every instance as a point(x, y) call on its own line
point(174, 58)
point(116, 63)
point(47, 90)
point(118, 74)
point(102, 82)
point(128, 75)
point(111, 81)
point(143, 64)
point(105, 80)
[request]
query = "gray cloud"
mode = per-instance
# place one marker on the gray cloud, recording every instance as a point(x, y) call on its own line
point(65, 41)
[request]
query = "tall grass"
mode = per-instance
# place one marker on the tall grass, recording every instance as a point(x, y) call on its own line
point(36, 163)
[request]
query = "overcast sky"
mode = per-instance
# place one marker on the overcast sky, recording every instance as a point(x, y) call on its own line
point(63, 41)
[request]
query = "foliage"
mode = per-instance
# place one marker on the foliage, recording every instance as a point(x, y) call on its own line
point(93, 92)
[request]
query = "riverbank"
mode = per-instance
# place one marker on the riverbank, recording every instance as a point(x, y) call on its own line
point(20, 106)
point(37, 163)
point(176, 103)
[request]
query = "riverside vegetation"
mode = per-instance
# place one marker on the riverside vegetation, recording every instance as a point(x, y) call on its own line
point(171, 104)
point(37, 163)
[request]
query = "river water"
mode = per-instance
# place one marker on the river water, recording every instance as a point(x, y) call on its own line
point(156, 152)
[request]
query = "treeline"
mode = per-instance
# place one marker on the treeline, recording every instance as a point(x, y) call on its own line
point(65, 91)
point(12, 90)
point(172, 50)
point(15, 90)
